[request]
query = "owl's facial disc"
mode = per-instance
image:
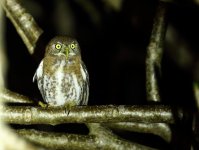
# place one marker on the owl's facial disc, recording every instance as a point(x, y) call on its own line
point(61, 50)
point(68, 49)
point(73, 49)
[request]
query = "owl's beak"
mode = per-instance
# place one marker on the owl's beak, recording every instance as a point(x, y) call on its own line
point(66, 52)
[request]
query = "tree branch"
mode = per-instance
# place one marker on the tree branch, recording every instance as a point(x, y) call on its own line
point(24, 23)
point(159, 129)
point(154, 54)
point(9, 140)
point(90, 114)
point(73, 141)
point(12, 97)
point(153, 70)
point(59, 140)
point(105, 137)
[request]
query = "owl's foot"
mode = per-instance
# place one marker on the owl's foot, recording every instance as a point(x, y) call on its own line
point(70, 105)
point(43, 105)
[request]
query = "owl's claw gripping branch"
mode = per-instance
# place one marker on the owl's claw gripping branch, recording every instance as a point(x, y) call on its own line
point(24, 23)
point(43, 105)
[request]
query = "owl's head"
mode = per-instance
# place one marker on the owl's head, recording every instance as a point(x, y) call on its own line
point(63, 45)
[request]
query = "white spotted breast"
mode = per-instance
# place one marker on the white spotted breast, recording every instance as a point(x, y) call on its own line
point(60, 86)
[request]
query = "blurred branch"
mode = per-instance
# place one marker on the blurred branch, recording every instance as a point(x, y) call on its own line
point(91, 9)
point(24, 23)
point(196, 1)
point(90, 114)
point(196, 93)
point(153, 69)
point(114, 4)
point(12, 97)
point(154, 54)
point(195, 123)
point(160, 129)
point(3, 62)
point(9, 140)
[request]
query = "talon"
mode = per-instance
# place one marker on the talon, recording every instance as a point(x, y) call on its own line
point(43, 105)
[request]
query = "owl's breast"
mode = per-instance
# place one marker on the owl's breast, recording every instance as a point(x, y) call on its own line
point(62, 85)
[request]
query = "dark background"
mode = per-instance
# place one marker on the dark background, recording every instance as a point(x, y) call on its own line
point(113, 44)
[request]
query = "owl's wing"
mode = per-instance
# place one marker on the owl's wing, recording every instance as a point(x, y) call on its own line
point(39, 77)
point(85, 76)
point(39, 72)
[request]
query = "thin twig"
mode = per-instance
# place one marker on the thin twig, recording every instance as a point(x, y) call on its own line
point(12, 97)
point(196, 93)
point(90, 114)
point(154, 54)
point(153, 65)
point(24, 23)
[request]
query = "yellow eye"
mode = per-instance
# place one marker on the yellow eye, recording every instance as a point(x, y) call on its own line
point(72, 46)
point(58, 46)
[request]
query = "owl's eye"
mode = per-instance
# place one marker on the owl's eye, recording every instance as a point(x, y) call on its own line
point(73, 46)
point(58, 46)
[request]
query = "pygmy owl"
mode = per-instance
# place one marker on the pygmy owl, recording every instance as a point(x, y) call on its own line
point(62, 77)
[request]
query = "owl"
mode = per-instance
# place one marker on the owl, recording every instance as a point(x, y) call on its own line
point(62, 77)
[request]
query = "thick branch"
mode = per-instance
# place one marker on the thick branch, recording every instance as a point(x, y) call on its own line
point(24, 23)
point(156, 128)
point(74, 141)
point(90, 114)
point(105, 137)
point(8, 139)
point(159, 129)
point(154, 54)
point(59, 140)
